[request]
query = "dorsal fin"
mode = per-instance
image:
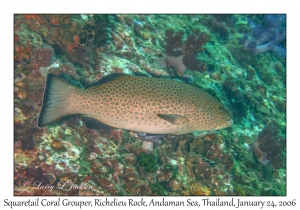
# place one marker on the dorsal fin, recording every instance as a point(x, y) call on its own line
point(140, 74)
point(109, 78)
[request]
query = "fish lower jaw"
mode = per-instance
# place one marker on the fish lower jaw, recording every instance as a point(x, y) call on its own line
point(225, 125)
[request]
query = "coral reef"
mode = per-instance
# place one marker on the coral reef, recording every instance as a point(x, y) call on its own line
point(239, 59)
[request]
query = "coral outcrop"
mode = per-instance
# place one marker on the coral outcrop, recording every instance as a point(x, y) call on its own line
point(184, 55)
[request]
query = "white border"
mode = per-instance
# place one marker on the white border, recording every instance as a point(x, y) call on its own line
point(153, 6)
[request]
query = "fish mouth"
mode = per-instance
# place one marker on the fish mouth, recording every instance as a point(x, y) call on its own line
point(225, 125)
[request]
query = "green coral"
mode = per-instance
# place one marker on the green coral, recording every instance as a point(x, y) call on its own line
point(158, 189)
point(173, 169)
point(238, 189)
point(147, 161)
point(84, 166)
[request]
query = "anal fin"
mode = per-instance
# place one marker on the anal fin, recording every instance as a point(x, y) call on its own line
point(93, 123)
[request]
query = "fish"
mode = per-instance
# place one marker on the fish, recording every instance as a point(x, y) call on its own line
point(138, 103)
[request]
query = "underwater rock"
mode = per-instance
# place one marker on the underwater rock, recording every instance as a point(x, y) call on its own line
point(138, 25)
point(218, 25)
point(198, 189)
point(175, 184)
point(58, 19)
point(19, 116)
point(66, 68)
point(266, 75)
point(147, 146)
point(41, 57)
point(250, 73)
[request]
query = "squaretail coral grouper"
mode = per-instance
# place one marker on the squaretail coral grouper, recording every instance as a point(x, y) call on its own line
point(137, 103)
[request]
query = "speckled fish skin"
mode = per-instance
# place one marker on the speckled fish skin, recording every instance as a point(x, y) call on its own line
point(141, 104)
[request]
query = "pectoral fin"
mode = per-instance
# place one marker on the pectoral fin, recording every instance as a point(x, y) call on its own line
point(172, 118)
